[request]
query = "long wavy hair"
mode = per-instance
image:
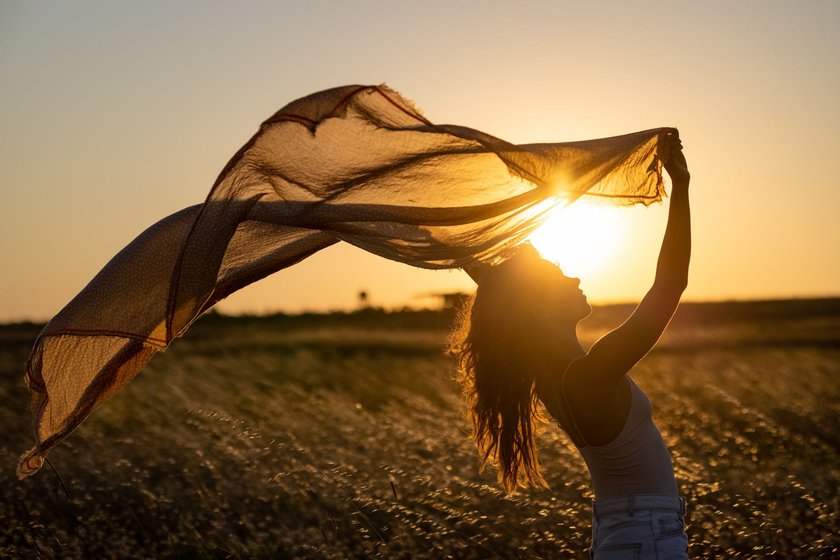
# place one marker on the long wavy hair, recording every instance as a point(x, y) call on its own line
point(496, 341)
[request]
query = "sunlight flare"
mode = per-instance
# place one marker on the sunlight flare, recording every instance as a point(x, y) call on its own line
point(581, 238)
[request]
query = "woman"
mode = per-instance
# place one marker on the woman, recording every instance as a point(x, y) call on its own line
point(517, 345)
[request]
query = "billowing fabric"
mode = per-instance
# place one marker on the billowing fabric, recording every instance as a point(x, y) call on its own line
point(357, 164)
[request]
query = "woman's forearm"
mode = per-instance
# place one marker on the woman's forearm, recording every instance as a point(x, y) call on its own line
point(672, 266)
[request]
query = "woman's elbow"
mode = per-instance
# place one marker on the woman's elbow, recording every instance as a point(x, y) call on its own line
point(674, 286)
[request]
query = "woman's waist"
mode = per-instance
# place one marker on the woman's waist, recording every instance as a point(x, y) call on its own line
point(645, 470)
point(634, 503)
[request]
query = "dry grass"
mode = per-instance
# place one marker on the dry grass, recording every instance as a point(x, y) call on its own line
point(342, 437)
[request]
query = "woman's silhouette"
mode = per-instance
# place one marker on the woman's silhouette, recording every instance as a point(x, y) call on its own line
point(517, 345)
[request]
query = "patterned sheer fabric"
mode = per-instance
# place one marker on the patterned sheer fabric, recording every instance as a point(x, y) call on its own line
point(357, 164)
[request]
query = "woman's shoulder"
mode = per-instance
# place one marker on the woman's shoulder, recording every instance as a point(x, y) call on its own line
point(586, 386)
point(583, 368)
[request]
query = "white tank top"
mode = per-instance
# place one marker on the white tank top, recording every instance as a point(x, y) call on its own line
point(636, 461)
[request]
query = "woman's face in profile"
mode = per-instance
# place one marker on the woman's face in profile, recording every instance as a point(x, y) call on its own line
point(560, 300)
point(570, 300)
point(543, 294)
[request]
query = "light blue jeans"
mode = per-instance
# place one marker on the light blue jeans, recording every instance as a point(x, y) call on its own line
point(639, 527)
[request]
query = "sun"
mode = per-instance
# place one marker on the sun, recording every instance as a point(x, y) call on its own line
point(581, 238)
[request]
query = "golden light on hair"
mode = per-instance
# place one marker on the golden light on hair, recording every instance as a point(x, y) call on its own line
point(581, 237)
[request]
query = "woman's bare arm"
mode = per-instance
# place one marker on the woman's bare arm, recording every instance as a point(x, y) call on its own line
point(618, 351)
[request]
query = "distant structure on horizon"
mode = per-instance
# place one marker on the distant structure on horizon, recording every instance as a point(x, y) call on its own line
point(364, 303)
point(443, 300)
point(450, 300)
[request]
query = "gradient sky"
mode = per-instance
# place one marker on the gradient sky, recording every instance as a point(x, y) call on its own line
point(116, 114)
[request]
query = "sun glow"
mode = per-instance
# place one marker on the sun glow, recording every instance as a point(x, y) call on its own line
point(581, 238)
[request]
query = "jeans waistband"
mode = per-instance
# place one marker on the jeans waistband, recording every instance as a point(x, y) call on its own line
point(635, 502)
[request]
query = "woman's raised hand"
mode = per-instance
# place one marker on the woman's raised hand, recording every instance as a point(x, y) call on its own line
point(675, 164)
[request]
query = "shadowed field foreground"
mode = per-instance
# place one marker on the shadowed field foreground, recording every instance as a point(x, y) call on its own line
point(342, 436)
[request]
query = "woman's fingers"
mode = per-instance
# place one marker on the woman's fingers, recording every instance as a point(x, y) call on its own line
point(674, 160)
point(674, 143)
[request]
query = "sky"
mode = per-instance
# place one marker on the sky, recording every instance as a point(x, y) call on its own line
point(114, 115)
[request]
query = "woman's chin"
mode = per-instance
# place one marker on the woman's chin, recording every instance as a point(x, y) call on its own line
point(585, 310)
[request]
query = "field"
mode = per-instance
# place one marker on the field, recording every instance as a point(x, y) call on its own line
point(342, 436)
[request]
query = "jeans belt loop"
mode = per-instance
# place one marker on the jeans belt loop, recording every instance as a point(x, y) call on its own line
point(631, 505)
point(595, 511)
